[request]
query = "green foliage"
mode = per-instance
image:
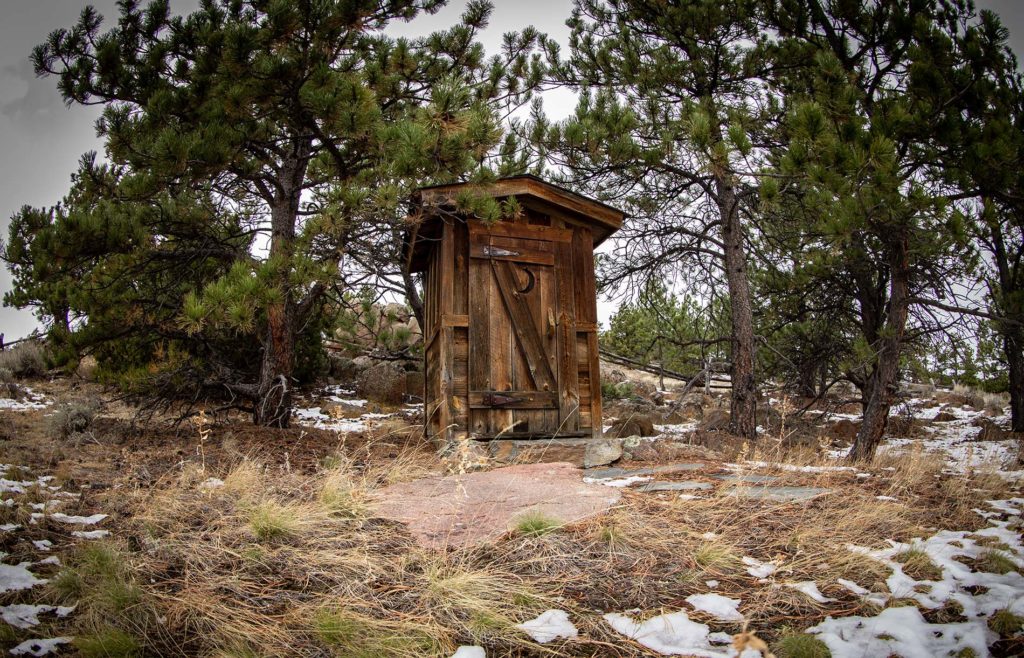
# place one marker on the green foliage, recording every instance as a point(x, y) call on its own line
point(613, 391)
point(660, 327)
point(536, 524)
point(801, 645)
point(1005, 623)
point(108, 643)
point(299, 121)
point(26, 359)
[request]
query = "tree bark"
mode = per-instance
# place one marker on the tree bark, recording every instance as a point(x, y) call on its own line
point(743, 407)
point(1013, 346)
point(881, 383)
point(273, 407)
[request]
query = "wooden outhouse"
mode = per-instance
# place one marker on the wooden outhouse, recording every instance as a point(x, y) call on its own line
point(510, 314)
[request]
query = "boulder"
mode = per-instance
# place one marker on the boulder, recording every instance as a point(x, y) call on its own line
point(715, 420)
point(644, 390)
point(384, 382)
point(943, 417)
point(600, 452)
point(844, 430)
point(990, 431)
point(415, 384)
point(632, 425)
point(613, 377)
point(341, 367)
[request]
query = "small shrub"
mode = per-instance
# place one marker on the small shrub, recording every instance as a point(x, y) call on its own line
point(108, 643)
point(73, 418)
point(26, 359)
point(801, 645)
point(918, 565)
point(1005, 623)
point(619, 391)
point(536, 524)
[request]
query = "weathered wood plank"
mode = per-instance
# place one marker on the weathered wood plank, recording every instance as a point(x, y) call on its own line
point(525, 231)
point(480, 341)
point(568, 376)
point(520, 253)
point(513, 400)
point(523, 326)
point(595, 390)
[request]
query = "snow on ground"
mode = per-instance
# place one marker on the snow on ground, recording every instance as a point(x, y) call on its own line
point(672, 634)
point(40, 647)
point(20, 577)
point(901, 630)
point(317, 417)
point(955, 439)
point(31, 401)
point(758, 569)
point(15, 577)
point(470, 652)
point(810, 588)
point(617, 482)
point(550, 625)
point(22, 615)
point(716, 605)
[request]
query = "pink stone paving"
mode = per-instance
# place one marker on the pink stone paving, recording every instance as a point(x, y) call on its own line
point(470, 509)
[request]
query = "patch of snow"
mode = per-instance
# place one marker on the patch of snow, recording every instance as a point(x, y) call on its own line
point(901, 631)
point(709, 535)
point(672, 634)
point(716, 605)
point(40, 647)
point(14, 577)
point(9, 527)
point(78, 520)
point(889, 498)
point(800, 469)
point(90, 534)
point(470, 652)
point(681, 428)
point(42, 544)
point(876, 598)
point(757, 568)
point(980, 594)
point(810, 588)
point(712, 584)
point(53, 559)
point(211, 483)
point(22, 615)
point(619, 482)
point(549, 625)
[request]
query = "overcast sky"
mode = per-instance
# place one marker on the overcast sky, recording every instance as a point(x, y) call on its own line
point(41, 140)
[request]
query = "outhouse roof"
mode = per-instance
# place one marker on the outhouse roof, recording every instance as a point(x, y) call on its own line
point(436, 199)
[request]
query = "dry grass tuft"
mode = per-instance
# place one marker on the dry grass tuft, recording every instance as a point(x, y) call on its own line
point(918, 565)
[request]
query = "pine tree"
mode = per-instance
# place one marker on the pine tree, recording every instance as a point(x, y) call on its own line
point(879, 80)
point(301, 116)
point(673, 102)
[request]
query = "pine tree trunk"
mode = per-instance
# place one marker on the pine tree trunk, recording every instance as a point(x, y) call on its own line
point(743, 408)
point(1013, 345)
point(807, 378)
point(881, 384)
point(273, 407)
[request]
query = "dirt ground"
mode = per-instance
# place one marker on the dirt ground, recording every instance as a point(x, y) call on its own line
point(223, 539)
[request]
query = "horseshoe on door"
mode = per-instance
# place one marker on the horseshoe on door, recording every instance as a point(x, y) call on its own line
point(531, 281)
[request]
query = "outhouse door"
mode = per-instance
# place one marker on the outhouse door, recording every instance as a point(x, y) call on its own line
point(523, 379)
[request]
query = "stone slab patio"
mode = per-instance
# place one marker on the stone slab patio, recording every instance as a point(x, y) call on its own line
point(470, 509)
